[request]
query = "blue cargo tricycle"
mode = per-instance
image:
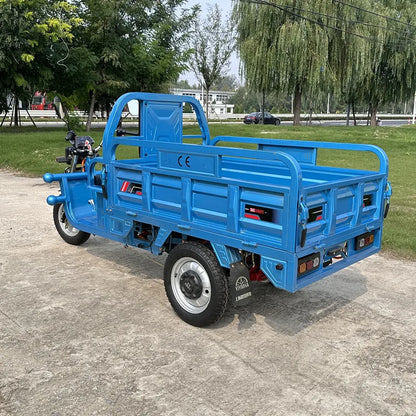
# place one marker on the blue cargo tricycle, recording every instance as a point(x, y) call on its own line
point(226, 216)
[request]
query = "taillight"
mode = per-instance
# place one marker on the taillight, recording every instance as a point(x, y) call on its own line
point(308, 263)
point(364, 240)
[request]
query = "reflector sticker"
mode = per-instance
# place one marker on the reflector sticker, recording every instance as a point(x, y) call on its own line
point(252, 216)
point(315, 214)
point(258, 213)
point(125, 186)
point(131, 188)
point(367, 200)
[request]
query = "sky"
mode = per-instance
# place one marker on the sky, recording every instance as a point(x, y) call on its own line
point(225, 7)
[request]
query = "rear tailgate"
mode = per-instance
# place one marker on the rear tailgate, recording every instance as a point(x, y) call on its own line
point(343, 225)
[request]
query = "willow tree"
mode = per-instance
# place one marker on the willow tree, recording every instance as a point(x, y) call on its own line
point(355, 48)
point(281, 51)
point(364, 48)
point(393, 74)
point(372, 52)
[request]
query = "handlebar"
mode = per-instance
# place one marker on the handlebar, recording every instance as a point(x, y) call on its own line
point(80, 149)
point(122, 132)
point(70, 136)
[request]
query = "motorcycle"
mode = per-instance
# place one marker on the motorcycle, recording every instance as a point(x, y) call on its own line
point(81, 148)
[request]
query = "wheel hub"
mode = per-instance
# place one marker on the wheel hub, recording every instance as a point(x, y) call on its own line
point(191, 284)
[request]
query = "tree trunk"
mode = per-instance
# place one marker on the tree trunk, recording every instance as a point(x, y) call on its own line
point(348, 114)
point(206, 102)
point(297, 106)
point(91, 112)
point(373, 112)
point(16, 111)
point(107, 109)
point(353, 114)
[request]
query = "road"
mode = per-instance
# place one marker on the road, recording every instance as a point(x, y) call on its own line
point(102, 124)
point(88, 331)
point(385, 123)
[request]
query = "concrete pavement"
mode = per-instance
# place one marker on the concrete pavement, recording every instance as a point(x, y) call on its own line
point(88, 331)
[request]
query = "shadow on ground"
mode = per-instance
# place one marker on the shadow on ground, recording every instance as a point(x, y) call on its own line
point(286, 313)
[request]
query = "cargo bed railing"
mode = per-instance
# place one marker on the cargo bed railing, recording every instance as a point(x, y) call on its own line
point(305, 152)
point(188, 159)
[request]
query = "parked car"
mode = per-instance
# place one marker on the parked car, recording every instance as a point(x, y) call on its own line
point(256, 118)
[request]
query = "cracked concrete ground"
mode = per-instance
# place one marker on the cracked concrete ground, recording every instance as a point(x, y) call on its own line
point(88, 331)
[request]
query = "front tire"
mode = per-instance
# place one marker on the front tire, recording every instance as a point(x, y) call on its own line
point(195, 284)
point(70, 234)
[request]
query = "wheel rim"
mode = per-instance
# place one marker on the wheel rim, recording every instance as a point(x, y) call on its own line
point(65, 225)
point(191, 285)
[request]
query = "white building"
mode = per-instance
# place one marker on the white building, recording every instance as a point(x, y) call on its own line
point(217, 100)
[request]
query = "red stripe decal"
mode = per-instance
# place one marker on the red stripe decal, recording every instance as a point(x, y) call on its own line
point(253, 217)
point(125, 186)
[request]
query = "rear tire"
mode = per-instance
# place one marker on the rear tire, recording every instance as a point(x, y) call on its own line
point(195, 284)
point(277, 122)
point(69, 234)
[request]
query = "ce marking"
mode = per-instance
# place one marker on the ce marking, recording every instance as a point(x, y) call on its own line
point(187, 161)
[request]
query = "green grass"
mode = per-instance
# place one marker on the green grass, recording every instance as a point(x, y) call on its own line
point(32, 152)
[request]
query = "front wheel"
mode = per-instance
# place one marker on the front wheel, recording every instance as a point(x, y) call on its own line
point(69, 233)
point(195, 284)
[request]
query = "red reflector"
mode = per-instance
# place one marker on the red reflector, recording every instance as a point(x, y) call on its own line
point(125, 186)
point(252, 216)
point(319, 218)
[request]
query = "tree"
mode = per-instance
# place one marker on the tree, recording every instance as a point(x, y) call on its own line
point(226, 83)
point(214, 42)
point(282, 52)
point(363, 48)
point(372, 53)
point(28, 31)
point(184, 85)
point(393, 70)
point(137, 45)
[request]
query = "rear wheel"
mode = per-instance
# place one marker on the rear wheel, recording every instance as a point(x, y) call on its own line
point(277, 122)
point(69, 233)
point(195, 284)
